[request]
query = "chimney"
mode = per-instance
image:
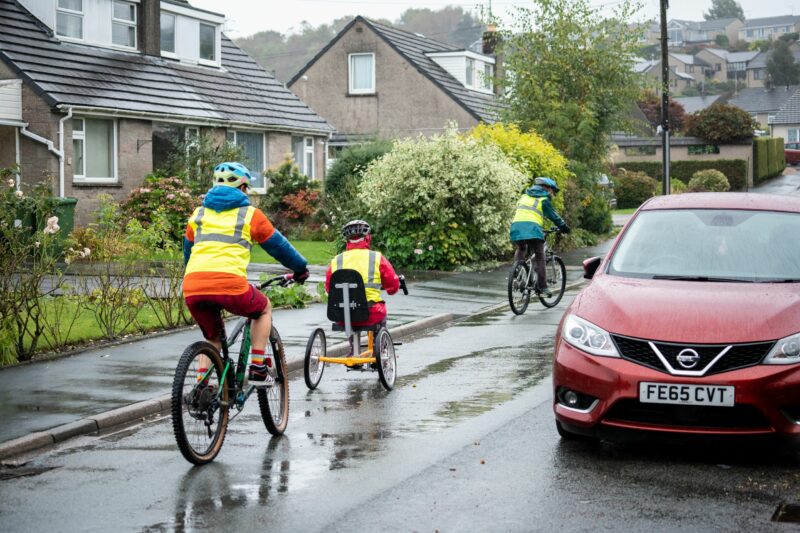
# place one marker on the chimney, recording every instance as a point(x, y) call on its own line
point(493, 46)
point(149, 29)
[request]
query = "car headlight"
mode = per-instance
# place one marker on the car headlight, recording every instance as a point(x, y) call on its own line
point(587, 337)
point(785, 352)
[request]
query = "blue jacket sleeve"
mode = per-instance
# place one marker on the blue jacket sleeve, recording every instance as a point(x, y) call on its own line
point(278, 247)
point(549, 212)
point(187, 250)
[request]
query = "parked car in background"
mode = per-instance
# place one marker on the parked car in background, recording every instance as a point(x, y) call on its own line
point(691, 323)
point(792, 153)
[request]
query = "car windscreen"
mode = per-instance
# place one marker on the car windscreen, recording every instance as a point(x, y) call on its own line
point(710, 245)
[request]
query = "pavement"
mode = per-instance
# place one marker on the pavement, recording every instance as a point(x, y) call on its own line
point(57, 399)
point(787, 184)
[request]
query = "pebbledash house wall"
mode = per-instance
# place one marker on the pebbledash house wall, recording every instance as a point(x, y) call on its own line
point(405, 102)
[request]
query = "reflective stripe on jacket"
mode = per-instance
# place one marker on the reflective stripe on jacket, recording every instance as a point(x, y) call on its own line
point(529, 209)
point(222, 240)
point(365, 262)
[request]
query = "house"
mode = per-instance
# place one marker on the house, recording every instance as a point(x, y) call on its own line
point(724, 65)
point(651, 70)
point(693, 104)
point(786, 123)
point(373, 80)
point(757, 67)
point(95, 92)
point(688, 64)
point(768, 28)
point(687, 32)
point(763, 104)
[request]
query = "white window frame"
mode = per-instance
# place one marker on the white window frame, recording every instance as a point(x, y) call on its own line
point(308, 148)
point(174, 53)
point(210, 62)
point(796, 135)
point(81, 135)
point(264, 154)
point(469, 73)
point(130, 24)
point(488, 79)
point(72, 12)
point(350, 88)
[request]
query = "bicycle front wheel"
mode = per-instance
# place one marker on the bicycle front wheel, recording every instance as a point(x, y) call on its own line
point(199, 412)
point(519, 295)
point(556, 281)
point(273, 402)
point(385, 359)
point(312, 366)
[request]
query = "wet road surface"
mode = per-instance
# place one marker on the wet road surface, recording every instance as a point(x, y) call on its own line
point(465, 442)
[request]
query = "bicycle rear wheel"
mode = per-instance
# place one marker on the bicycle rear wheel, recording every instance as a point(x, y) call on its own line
point(273, 402)
point(199, 414)
point(519, 295)
point(556, 281)
point(385, 359)
point(312, 366)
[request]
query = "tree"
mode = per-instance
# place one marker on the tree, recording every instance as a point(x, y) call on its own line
point(571, 74)
point(650, 104)
point(721, 123)
point(782, 66)
point(724, 9)
point(722, 40)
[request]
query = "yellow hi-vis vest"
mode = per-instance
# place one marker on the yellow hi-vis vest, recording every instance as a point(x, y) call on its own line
point(222, 240)
point(365, 262)
point(529, 209)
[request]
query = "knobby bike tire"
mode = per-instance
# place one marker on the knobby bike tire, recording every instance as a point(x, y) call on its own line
point(198, 448)
point(275, 416)
point(385, 359)
point(517, 288)
point(315, 348)
point(555, 268)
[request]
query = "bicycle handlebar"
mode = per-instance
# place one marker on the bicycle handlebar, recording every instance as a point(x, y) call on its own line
point(283, 280)
point(403, 284)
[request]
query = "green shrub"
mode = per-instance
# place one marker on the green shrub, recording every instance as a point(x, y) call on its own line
point(169, 194)
point(596, 215)
point(442, 201)
point(721, 123)
point(292, 199)
point(761, 152)
point(709, 181)
point(193, 161)
point(633, 188)
point(345, 174)
point(676, 186)
point(734, 169)
point(777, 157)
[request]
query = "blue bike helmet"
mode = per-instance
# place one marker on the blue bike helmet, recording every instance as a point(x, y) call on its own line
point(231, 174)
point(547, 182)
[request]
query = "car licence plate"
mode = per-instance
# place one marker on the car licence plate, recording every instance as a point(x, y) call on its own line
point(675, 393)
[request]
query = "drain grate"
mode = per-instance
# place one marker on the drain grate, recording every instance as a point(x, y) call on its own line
point(787, 512)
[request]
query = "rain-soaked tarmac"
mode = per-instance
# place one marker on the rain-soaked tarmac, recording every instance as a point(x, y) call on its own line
point(465, 442)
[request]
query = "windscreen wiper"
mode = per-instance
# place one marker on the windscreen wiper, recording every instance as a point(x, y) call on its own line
point(786, 280)
point(702, 278)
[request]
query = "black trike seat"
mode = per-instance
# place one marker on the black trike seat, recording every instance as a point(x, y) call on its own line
point(350, 282)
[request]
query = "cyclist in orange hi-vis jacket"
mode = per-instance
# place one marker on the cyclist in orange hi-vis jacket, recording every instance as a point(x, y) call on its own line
point(217, 244)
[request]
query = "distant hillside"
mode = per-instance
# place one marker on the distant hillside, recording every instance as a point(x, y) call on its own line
point(286, 54)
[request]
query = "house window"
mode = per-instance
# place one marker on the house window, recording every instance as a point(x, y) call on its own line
point(717, 67)
point(303, 151)
point(640, 150)
point(470, 78)
point(254, 150)
point(208, 42)
point(94, 144)
point(703, 149)
point(69, 18)
point(488, 76)
point(362, 73)
point(794, 135)
point(167, 33)
point(123, 24)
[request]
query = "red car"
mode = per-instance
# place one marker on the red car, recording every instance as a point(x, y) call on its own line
point(691, 323)
point(792, 153)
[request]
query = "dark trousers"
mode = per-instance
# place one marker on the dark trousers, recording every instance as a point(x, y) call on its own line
point(535, 246)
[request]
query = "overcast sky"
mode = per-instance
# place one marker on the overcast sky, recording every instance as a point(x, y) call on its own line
point(246, 17)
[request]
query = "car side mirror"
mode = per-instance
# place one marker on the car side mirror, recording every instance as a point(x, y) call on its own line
point(590, 266)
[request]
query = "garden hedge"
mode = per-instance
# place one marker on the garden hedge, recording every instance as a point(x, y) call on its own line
point(768, 158)
point(734, 169)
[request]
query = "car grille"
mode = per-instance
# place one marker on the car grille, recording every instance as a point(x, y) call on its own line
point(698, 417)
point(739, 355)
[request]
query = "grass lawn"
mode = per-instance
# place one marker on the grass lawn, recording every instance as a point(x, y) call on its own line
point(629, 211)
point(316, 252)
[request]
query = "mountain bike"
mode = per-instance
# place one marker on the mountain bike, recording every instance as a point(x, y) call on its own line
point(522, 280)
point(204, 401)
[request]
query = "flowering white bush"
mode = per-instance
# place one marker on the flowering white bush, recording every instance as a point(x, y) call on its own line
point(440, 202)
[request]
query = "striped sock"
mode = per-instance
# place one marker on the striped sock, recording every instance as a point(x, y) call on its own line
point(256, 357)
point(200, 373)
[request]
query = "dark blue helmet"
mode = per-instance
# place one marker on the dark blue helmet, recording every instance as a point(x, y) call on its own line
point(547, 182)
